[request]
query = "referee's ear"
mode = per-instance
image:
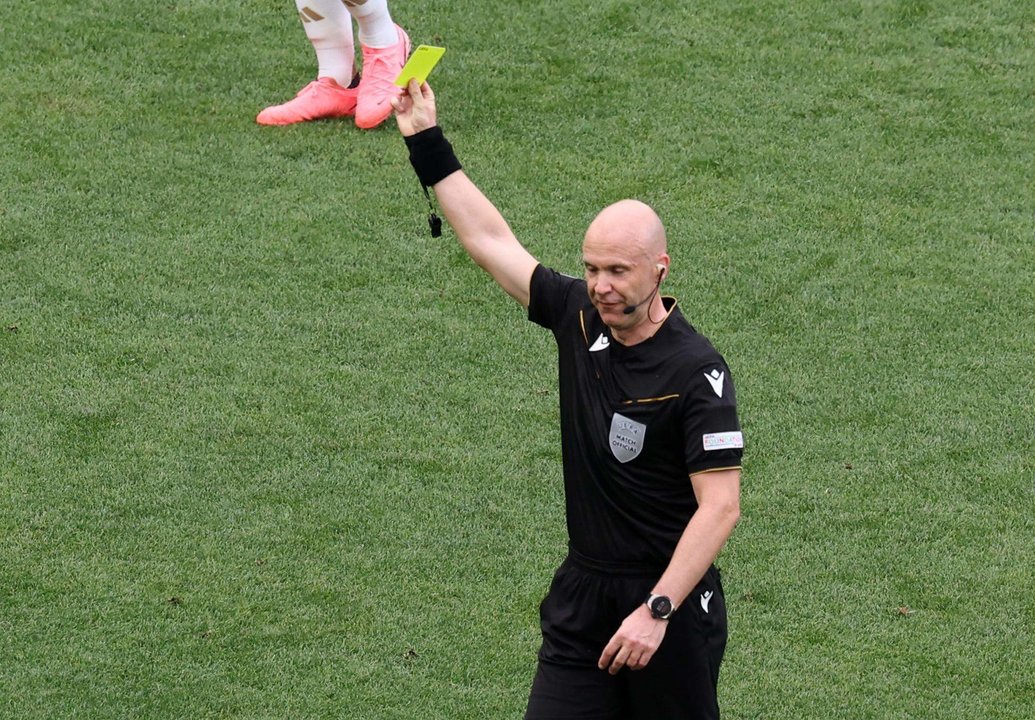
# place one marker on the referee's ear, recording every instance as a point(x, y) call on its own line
point(662, 271)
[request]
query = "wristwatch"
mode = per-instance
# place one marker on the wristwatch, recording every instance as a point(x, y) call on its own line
point(660, 606)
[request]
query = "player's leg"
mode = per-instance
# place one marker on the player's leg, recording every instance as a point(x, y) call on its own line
point(328, 25)
point(681, 680)
point(385, 47)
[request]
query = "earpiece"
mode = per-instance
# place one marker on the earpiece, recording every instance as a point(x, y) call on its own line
point(662, 272)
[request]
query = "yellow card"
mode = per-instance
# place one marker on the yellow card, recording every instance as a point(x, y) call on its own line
point(420, 64)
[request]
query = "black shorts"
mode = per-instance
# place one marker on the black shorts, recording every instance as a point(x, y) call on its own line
point(585, 606)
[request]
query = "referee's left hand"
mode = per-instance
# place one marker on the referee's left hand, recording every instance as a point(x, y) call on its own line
point(635, 642)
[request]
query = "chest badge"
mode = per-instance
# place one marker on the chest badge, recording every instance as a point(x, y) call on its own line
point(626, 438)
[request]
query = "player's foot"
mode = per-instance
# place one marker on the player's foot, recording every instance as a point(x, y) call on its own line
point(322, 98)
point(381, 67)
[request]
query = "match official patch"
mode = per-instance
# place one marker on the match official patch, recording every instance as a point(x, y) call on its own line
point(626, 439)
point(723, 441)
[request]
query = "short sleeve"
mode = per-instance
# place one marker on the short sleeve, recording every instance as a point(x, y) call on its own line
point(711, 429)
point(550, 295)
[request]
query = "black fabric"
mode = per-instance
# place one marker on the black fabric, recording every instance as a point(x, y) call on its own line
point(432, 156)
point(632, 512)
point(580, 614)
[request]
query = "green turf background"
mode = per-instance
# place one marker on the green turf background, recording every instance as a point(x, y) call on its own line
point(267, 450)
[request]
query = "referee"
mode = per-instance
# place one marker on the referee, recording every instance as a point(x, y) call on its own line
point(634, 624)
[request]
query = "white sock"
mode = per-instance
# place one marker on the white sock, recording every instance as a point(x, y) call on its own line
point(329, 28)
point(376, 28)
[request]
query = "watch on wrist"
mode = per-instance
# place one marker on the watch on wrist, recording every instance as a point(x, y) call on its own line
point(660, 606)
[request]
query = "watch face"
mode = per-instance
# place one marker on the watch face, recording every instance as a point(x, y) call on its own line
point(660, 607)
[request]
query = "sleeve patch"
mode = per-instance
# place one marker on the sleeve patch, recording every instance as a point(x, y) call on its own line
point(723, 440)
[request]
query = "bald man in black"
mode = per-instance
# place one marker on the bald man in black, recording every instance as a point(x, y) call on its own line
point(634, 624)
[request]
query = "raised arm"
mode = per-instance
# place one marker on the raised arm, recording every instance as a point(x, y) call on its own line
point(481, 229)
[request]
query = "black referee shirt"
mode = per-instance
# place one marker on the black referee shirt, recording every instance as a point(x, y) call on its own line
point(636, 422)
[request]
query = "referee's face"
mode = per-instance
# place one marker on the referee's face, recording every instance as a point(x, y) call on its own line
point(616, 278)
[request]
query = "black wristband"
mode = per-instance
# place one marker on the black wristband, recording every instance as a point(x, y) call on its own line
point(431, 156)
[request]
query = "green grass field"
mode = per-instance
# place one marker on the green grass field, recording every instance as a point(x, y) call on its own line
point(267, 450)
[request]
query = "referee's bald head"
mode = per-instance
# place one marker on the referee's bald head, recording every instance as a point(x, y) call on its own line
point(630, 224)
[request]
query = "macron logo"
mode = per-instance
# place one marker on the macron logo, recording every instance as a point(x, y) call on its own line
point(715, 379)
point(706, 597)
point(601, 343)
